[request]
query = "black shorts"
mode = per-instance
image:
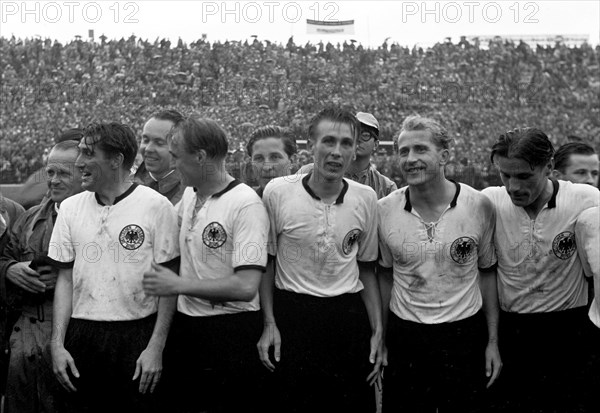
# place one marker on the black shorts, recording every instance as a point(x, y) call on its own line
point(105, 354)
point(435, 367)
point(325, 345)
point(212, 364)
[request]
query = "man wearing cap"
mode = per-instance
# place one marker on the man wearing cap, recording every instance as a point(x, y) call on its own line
point(361, 170)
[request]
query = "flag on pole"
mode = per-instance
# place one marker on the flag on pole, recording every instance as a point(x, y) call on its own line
point(323, 27)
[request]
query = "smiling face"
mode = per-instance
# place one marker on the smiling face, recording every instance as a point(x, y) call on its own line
point(187, 164)
point(421, 161)
point(97, 169)
point(63, 178)
point(581, 169)
point(270, 160)
point(333, 148)
point(523, 184)
point(155, 148)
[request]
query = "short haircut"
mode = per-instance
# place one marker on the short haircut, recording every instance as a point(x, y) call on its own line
point(562, 155)
point(202, 133)
point(336, 115)
point(113, 138)
point(529, 144)
point(69, 134)
point(439, 134)
point(284, 134)
point(170, 115)
point(66, 146)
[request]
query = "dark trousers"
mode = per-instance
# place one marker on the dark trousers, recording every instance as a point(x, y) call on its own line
point(545, 357)
point(212, 364)
point(324, 354)
point(435, 367)
point(105, 354)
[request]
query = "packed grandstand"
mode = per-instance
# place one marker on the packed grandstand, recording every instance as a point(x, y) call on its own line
point(476, 90)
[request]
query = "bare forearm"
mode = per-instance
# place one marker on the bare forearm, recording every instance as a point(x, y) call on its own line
point(489, 293)
point(166, 309)
point(242, 286)
point(63, 306)
point(266, 293)
point(371, 297)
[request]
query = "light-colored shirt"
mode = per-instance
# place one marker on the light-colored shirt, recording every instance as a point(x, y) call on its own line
point(539, 269)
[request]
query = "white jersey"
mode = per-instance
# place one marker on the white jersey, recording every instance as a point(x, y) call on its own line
point(228, 234)
point(110, 247)
point(587, 234)
point(436, 277)
point(539, 269)
point(317, 245)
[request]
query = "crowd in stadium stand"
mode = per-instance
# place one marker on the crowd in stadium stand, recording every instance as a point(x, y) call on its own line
point(477, 91)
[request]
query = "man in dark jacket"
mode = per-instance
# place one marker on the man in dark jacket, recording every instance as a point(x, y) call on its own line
point(30, 284)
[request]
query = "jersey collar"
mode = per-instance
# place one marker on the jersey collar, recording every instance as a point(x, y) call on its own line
point(408, 205)
point(552, 202)
point(119, 198)
point(228, 188)
point(340, 198)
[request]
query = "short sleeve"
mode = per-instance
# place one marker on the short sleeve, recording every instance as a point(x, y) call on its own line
point(587, 238)
point(486, 249)
point(386, 259)
point(61, 249)
point(166, 233)
point(367, 243)
point(250, 235)
point(268, 199)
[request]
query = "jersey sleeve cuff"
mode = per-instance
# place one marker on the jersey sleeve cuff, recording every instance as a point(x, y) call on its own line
point(366, 264)
point(261, 268)
point(491, 267)
point(172, 264)
point(61, 265)
point(381, 267)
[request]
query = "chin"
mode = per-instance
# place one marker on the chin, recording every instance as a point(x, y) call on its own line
point(521, 202)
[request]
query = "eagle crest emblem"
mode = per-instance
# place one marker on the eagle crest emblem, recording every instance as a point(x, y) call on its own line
point(131, 237)
point(564, 245)
point(214, 235)
point(462, 250)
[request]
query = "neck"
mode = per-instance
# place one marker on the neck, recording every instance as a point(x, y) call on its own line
point(534, 208)
point(216, 181)
point(117, 186)
point(326, 190)
point(433, 193)
point(158, 176)
point(359, 165)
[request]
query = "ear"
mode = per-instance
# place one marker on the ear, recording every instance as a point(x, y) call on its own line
point(445, 157)
point(375, 146)
point(116, 161)
point(557, 174)
point(294, 158)
point(550, 167)
point(201, 156)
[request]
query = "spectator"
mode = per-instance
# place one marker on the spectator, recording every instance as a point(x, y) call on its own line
point(577, 162)
point(32, 279)
point(272, 150)
point(158, 169)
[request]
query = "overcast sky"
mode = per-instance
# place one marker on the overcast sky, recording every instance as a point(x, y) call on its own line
point(405, 22)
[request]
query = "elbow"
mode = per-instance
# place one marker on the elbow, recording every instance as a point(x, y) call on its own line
point(246, 293)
